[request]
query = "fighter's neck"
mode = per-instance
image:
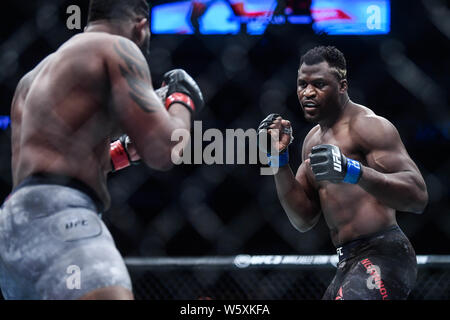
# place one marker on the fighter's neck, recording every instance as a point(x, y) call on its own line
point(106, 27)
point(329, 122)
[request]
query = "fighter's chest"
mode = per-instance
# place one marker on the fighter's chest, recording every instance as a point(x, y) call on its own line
point(341, 138)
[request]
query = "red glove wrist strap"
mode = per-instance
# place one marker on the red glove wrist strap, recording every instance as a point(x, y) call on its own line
point(179, 97)
point(119, 156)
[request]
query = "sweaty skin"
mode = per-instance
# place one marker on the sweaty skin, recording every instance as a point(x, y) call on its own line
point(66, 111)
point(390, 180)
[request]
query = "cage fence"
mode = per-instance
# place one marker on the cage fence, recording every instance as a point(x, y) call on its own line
point(262, 277)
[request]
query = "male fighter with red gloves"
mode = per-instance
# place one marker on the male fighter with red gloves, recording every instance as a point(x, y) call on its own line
point(64, 113)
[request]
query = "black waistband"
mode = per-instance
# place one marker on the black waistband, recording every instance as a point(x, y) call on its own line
point(50, 178)
point(345, 249)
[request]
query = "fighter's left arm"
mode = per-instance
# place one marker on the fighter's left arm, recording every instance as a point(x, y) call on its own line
point(390, 174)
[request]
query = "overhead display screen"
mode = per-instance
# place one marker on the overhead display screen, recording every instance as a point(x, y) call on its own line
point(209, 17)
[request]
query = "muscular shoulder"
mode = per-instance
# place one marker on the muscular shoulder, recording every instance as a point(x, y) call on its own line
point(124, 57)
point(94, 45)
point(24, 83)
point(370, 131)
point(28, 78)
point(309, 141)
point(118, 47)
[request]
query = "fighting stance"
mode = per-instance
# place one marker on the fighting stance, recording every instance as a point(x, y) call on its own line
point(65, 113)
point(356, 171)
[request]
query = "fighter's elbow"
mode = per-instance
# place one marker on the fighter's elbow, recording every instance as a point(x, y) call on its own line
point(416, 202)
point(420, 203)
point(304, 225)
point(303, 228)
point(161, 161)
point(163, 166)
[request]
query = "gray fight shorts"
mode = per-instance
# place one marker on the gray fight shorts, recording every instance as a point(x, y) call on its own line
point(53, 245)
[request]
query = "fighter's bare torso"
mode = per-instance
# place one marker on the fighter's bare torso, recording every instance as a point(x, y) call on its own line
point(61, 122)
point(349, 211)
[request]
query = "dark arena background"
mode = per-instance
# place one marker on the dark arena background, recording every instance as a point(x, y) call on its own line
point(218, 231)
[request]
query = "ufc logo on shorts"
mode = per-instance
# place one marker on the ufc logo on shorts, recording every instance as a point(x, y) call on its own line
point(336, 160)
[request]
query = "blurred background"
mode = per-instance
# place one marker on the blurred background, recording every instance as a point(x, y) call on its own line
point(246, 72)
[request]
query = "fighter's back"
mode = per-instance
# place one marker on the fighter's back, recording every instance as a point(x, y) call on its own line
point(60, 117)
point(64, 114)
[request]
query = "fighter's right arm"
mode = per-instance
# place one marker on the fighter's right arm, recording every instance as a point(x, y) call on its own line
point(297, 194)
point(298, 197)
point(139, 110)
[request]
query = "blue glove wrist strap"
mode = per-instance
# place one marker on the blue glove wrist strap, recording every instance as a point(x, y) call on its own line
point(279, 161)
point(353, 171)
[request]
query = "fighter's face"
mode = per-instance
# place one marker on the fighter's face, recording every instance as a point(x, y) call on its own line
point(318, 91)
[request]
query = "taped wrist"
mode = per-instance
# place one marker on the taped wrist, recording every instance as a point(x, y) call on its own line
point(280, 160)
point(119, 156)
point(354, 171)
point(178, 97)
